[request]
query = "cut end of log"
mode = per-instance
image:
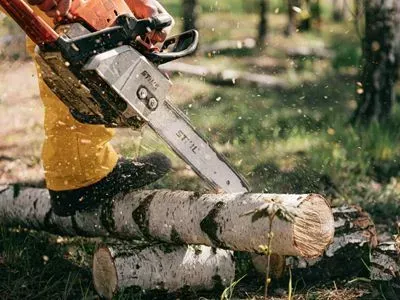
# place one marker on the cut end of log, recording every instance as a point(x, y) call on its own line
point(105, 275)
point(313, 227)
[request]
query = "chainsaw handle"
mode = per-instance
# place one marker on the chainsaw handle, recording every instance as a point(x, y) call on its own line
point(160, 21)
point(175, 47)
point(34, 26)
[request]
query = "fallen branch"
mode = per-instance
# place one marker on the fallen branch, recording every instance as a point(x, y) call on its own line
point(225, 77)
point(314, 52)
point(165, 268)
point(227, 45)
point(231, 221)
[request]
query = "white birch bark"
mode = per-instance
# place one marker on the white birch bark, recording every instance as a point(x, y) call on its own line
point(232, 221)
point(161, 267)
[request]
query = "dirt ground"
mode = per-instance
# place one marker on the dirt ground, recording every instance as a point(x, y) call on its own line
point(21, 124)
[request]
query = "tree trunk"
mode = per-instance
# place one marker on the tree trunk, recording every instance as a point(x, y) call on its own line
point(338, 10)
point(316, 12)
point(161, 268)
point(292, 16)
point(189, 9)
point(263, 24)
point(358, 8)
point(303, 225)
point(355, 235)
point(380, 61)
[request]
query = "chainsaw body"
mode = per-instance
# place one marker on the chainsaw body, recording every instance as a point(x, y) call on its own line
point(81, 86)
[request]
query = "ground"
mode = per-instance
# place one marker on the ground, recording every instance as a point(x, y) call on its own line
point(291, 140)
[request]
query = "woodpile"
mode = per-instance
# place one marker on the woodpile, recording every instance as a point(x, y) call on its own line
point(170, 240)
point(169, 221)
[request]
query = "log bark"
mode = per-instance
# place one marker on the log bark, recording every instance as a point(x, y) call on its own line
point(225, 77)
point(161, 268)
point(385, 263)
point(232, 221)
point(346, 257)
point(385, 268)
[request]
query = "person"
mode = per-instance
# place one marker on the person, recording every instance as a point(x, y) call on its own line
point(81, 167)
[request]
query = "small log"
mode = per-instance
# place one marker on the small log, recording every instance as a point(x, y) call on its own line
point(227, 45)
point(163, 268)
point(231, 221)
point(225, 77)
point(346, 257)
point(314, 52)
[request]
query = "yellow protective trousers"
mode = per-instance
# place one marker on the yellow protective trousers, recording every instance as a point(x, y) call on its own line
point(74, 154)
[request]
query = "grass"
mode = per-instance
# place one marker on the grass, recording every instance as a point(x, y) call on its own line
point(296, 140)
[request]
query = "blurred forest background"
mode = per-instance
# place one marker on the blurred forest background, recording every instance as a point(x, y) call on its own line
point(300, 95)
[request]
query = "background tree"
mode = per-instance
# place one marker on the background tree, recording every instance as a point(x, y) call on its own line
point(263, 24)
point(189, 9)
point(338, 10)
point(292, 16)
point(380, 64)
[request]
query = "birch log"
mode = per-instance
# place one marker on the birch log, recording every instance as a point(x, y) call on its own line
point(231, 221)
point(165, 268)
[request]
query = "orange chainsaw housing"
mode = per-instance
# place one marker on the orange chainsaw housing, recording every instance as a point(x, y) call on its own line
point(95, 14)
point(98, 14)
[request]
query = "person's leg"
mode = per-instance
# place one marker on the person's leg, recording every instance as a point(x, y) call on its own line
point(127, 175)
point(81, 167)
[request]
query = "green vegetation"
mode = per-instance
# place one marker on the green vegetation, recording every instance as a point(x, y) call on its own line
point(295, 140)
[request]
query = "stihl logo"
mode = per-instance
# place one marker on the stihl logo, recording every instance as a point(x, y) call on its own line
point(150, 80)
point(185, 139)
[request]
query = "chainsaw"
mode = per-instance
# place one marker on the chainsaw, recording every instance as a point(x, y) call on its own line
point(100, 68)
